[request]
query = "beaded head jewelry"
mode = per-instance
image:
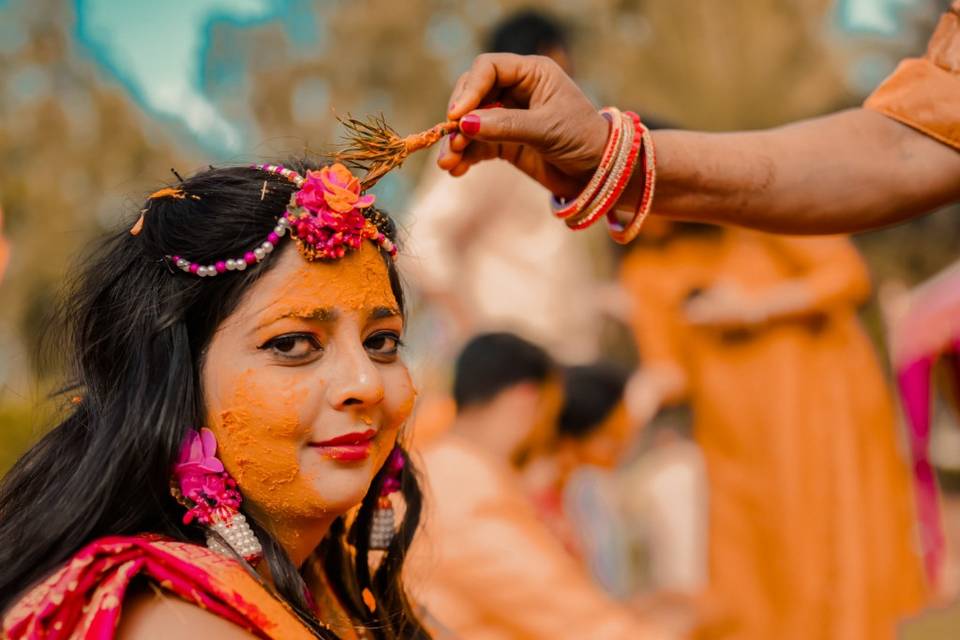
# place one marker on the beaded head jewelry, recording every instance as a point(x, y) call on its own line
point(325, 216)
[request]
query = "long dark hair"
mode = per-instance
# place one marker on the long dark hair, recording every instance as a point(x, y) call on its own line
point(136, 329)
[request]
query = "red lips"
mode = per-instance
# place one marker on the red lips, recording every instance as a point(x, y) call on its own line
point(347, 447)
point(347, 438)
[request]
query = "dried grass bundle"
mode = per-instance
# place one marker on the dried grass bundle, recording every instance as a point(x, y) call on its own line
point(375, 147)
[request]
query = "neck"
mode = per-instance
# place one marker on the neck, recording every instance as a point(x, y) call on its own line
point(298, 537)
point(479, 426)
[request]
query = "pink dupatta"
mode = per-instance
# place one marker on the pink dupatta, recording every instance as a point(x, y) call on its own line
point(927, 331)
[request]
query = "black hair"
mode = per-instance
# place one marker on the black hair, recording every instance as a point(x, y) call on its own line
point(527, 32)
point(591, 392)
point(493, 362)
point(135, 330)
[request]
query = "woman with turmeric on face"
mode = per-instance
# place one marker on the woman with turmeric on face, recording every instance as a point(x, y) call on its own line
point(810, 519)
point(226, 471)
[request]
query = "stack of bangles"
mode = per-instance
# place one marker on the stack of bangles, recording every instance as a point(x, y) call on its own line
point(628, 145)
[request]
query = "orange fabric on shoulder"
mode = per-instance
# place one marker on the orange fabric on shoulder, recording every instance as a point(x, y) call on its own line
point(924, 93)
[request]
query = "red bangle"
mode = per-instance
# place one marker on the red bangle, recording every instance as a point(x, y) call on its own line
point(605, 204)
point(617, 164)
point(564, 210)
point(624, 234)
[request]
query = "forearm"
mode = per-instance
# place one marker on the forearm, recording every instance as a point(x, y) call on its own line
point(794, 300)
point(844, 172)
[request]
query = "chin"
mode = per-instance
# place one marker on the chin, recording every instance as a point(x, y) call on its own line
point(343, 485)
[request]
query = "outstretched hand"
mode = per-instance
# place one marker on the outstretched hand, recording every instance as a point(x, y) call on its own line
point(547, 127)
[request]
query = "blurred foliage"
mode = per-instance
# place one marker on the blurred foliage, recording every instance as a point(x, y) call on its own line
point(20, 422)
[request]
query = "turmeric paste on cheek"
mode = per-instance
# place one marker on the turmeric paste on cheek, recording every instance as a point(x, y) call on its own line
point(260, 436)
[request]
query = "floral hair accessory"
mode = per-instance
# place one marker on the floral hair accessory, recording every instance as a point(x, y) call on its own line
point(328, 216)
point(202, 485)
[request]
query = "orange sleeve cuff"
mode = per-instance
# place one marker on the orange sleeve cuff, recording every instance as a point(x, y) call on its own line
point(924, 93)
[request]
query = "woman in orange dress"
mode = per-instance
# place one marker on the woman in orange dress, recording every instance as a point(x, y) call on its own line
point(225, 465)
point(810, 513)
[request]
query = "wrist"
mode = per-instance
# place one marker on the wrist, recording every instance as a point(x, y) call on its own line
point(599, 132)
point(597, 140)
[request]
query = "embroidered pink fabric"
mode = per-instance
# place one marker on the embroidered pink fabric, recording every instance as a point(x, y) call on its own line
point(84, 598)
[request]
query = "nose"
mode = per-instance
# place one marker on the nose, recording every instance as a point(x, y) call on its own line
point(356, 380)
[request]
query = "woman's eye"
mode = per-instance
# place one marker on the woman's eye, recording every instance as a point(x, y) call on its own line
point(383, 345)
point(293, 346)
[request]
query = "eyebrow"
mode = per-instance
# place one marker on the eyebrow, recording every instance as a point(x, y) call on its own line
point(329, 315)
point(321, 314)
point(379, 313)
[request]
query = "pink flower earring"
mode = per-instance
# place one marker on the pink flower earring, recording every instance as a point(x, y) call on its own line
point(202, 485)
point(382, 529)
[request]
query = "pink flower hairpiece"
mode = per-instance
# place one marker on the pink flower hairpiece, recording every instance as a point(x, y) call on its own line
point(201, 479)
point(202, 485)
point(325, 215)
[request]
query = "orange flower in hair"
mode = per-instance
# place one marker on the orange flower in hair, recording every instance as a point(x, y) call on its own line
point(333, 188)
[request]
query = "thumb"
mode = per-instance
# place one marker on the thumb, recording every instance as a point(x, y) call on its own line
point(505, 125)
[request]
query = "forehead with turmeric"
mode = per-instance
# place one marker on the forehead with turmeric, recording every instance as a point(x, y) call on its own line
point(357, 282)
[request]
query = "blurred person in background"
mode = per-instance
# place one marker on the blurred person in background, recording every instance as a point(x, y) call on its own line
point(486, 567)
point(615, 518)
point(810, 517)
point(663, 499)
point(566, 482)
point(484, 251)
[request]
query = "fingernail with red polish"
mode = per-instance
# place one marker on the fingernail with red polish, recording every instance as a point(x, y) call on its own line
point(470, 125)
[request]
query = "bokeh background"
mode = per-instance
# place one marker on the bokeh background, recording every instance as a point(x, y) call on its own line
point(99, 99)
